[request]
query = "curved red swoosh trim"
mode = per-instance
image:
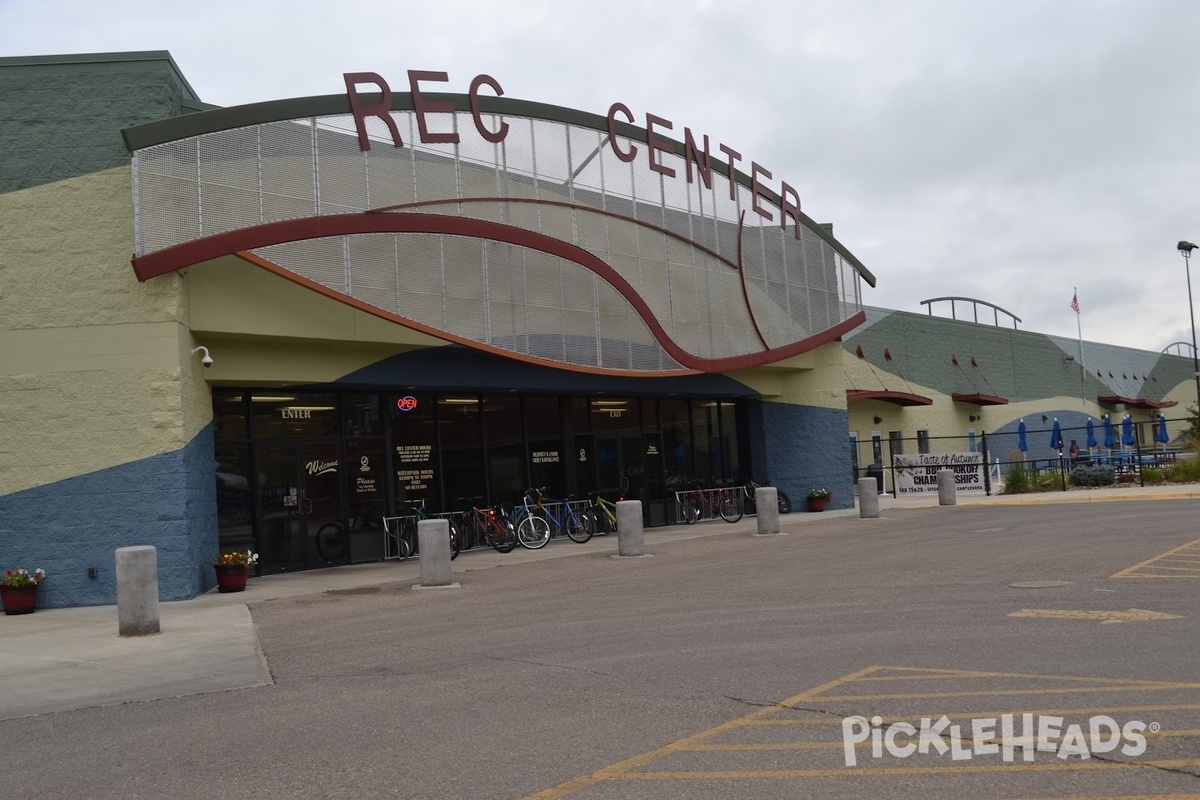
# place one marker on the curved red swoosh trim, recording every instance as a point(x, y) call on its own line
point(194, 252)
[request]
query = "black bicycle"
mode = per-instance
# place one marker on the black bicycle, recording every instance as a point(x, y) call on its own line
point(331, 538)
point(782, 500)
point(402, 533)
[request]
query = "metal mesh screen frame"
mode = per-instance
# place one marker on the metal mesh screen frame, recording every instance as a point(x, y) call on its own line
point(675, 243)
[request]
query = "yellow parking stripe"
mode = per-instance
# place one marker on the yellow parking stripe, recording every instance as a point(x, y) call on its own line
point(1131, 572)
point(995, 692)
point(867, 772)
point(962, 673)
point(1119, 797)
point(865, 745)
point(623, 767)
point(632, 769)
point(1061, 712)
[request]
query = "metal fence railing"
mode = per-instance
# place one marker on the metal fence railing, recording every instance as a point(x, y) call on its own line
point(1046, 454)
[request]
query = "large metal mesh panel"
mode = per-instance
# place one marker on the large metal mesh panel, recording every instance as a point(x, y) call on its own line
point(681, 255)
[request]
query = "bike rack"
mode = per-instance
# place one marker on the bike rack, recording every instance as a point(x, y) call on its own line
point(393, 531)
point(710, 501)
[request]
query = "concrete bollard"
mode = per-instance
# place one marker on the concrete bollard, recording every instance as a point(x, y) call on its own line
point(433, 537)
point(137, 591)
point(946, 494)
point(868, 498)
point(766, 504)
point(631, 538)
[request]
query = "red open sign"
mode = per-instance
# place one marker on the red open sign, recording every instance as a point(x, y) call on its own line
point(406, 403)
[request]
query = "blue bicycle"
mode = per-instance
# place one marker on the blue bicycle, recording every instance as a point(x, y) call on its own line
point(580, 526)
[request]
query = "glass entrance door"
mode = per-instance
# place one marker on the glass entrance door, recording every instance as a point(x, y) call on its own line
point(619, 467)
point(299, 507)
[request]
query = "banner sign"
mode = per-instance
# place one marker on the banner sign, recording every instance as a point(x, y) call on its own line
point(918, 473)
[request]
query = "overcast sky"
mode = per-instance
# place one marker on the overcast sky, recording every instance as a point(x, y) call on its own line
point(1008, 151)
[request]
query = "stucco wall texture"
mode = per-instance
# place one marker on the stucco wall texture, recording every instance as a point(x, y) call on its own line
point(101, 440)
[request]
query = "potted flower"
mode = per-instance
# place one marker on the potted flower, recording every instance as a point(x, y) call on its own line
point(232, 569)
point(18, 590)
point(817, 499)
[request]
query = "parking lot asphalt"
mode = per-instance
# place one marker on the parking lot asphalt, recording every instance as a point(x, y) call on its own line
point(66, 659)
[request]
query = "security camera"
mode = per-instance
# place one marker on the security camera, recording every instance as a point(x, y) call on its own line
point(206, 359)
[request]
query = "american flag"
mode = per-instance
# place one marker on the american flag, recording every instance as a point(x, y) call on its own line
point(1075, 302)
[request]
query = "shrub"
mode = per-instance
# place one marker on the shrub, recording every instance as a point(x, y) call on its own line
point(1153, 476)
point(1048, 482)
point(1093, 475)
point(1017, 480)
point(1184, 471)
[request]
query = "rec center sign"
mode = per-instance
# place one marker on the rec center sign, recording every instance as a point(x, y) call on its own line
point(697, 158)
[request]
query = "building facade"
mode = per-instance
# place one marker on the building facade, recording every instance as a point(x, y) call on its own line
point(234, 327)
point(338, 305)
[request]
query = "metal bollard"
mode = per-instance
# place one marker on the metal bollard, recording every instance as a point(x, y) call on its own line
point(766, 504)
point(868, 498)
point(631, 538)
point(433, 537)
point(946, 493)
point(137, 591)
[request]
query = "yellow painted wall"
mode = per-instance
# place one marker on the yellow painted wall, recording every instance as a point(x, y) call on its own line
point(94, 367)
point(813, 379)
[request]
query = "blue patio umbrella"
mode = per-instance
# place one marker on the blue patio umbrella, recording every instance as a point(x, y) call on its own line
point(1056, 436)
point(1022, 443)
point(1127, 431)
point(1110, 441)
point(1160, 433)
point(1091, 434)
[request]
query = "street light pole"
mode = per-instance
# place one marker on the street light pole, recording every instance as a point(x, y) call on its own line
point(1185, 250)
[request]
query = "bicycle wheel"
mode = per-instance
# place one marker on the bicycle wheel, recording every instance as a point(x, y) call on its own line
point(749, 501)
point(690, 508)
point(503, 537)
point(580, 529)
point(331, 541)
point(533, 532)
point(604, 523)
point(455, 541)
point(731, 509)
point(785, 502)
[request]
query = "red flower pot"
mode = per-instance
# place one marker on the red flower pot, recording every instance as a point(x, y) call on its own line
point(232, 577)
point(816, 504)
point(18, 599)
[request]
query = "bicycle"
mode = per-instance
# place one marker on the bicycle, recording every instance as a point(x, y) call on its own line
point(605, 514)
point(401, 533)
point(749, 501)
point(564, 518)
point(533, 531)
point(331, 537)
point(490, 525)
point(711, 503)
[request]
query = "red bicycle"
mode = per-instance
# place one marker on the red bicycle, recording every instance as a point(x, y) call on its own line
point(701, 503)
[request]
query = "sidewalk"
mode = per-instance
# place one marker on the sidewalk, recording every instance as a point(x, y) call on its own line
point(64, 659)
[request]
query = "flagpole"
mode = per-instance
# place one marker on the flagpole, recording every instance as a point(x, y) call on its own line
point(1082, 363)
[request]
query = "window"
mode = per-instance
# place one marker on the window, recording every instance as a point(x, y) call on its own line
point(414, 446)
point(922, 441)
